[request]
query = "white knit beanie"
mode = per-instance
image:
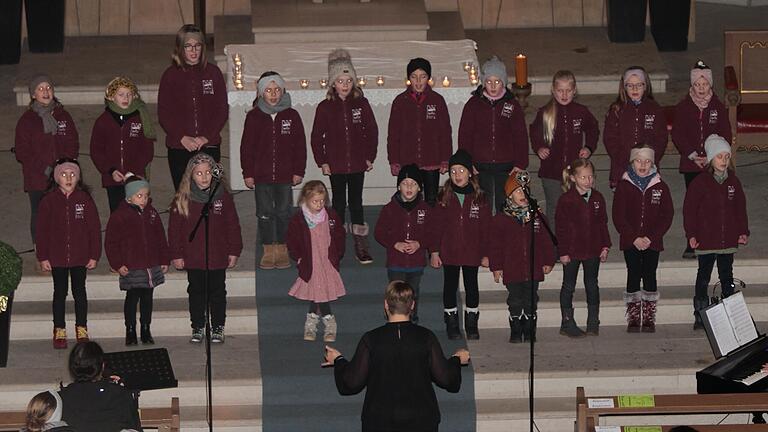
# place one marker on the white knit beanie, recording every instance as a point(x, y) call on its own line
point(714, 145)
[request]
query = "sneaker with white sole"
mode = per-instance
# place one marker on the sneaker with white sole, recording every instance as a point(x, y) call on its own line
point(197, 335)
point(217, 334)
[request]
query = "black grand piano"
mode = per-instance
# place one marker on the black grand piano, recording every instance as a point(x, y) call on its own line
point(739, 368)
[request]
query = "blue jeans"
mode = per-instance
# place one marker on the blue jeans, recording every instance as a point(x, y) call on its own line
point(273, 210)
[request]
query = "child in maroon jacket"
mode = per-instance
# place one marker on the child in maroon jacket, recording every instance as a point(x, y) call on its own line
point(191, 102)
point(462, 220)
point(563, 131)
point(344, 141)
point(44, 134)
point(699, 115)
point(492, 130)
point(419, 130)
point(122, 139)
point(273, 155)
point(316, 243)
point(137, 250)
point(715, 221)
point(68, 244)
point(509, 259)
point(405, 229)
point(225, 243)
point(583, 240)
point(634, 118)
point(642, 214)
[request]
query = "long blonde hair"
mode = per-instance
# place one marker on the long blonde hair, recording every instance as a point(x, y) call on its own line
point(39, 410)
point(571, 170)
point(181, 199)
point(549, 114)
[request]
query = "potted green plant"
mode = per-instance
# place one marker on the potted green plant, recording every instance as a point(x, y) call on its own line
point(10, 276)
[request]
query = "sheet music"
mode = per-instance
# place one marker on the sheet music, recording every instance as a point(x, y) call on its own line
point(722, 332)
point(741, 320)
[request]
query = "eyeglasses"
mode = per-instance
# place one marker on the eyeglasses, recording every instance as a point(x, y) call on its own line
point(193, 47)
point(344, 81)
point(492, 82)
point(638, 86)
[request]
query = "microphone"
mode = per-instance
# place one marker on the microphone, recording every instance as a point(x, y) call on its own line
point(523, 177)
point(217, 171)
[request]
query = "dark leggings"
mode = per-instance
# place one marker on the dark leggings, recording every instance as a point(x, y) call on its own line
point(142, 296)
point(641, 266)
point(321, 309)
point(217, 296)
point(115, 195)
point(348, 188)
point(724, 270)
point(60, 289)
point(430, 185)
point(34, 202)
point(451, 285)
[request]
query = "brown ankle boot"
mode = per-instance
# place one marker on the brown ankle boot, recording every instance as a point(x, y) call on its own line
point(360, 233)
point(282, 261)
point(268, 258)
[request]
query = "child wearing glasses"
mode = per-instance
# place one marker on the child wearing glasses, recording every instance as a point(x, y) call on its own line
point(493, 131)
point(634, 118)
point(563, 131)
point(420, 129)
point(462, 220)
point(344, 141)
point(191, 102)
point(68, 244)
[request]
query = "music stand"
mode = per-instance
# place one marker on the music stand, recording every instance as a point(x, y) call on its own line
point(148, 369)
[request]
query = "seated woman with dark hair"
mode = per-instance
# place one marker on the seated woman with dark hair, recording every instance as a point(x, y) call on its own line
point(93, 403)
point(398, 362)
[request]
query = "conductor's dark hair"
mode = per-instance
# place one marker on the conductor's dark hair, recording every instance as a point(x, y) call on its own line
point(86, 362)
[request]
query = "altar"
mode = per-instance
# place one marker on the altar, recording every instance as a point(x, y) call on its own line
point(382, 67)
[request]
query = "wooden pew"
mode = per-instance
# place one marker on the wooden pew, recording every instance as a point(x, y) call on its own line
point(671, 404)
point(162, 419)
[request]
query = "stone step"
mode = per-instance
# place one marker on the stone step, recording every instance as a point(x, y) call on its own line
point(227, 418)
point(33, 366)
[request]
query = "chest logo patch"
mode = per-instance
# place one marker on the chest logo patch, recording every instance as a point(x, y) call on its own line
point(650, 121)
point(134, 130)
point(80, 211)
point(285, 127)
point(431, 111)
point(577, 126)
point(357, 115)
point(421, 216)
point(207, 86)
point(713, 117)
point(731, 192)
point(507, 109)
point(218, 206)
point(656, 196)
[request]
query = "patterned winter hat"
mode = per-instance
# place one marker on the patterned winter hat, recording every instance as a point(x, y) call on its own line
point(340, 63)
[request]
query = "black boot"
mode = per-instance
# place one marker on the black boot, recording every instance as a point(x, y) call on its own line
point(515, 330)
point(452, 325)
point(568, 326)
point(146, 335)
point(593, 320)
point(130, 335)
point(699, 303)
point(470, 325)
point(529, 327)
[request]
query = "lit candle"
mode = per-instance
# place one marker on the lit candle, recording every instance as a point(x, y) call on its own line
point(379, 80)
point(362, 81)
point(407, 83)
point(473, 79)
point(446, 81)
point(323, 83)
point(472, 70)
point(431, 82)
point(467, 65)
point(521, 70)
point(304, 83)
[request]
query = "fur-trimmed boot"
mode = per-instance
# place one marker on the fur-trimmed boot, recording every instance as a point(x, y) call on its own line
point(634, 318)
point(268, 257)
point(649, 311)
point(470, 325)
point(568, 326)
point(515, 330)
point(310, 326)
point(329, 322)
point(360, 233)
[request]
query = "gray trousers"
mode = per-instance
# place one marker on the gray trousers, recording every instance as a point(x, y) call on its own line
point(552, 191)
point(273, 210)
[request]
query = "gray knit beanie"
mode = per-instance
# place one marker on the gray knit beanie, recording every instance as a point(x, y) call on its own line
point(36, 81)
point(340, 63)
point(494, 67)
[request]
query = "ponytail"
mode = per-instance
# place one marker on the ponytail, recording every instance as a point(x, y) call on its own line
point(571, 170)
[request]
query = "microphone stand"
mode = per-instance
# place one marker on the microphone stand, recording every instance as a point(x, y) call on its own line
point(204, 213)
point(533, 211)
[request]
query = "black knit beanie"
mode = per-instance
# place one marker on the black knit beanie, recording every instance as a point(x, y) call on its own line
point(461, 157)
point(419, 63)
point(410, 171)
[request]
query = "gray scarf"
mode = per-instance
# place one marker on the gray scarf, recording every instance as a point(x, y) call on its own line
point(201, 196)
point(283, 104)
point(50, 125)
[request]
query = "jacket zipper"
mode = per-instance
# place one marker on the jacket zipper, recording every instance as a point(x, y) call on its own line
point(68, 225)
point(347, 138)
point(274, 149)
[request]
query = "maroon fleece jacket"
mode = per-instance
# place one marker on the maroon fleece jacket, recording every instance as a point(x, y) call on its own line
point(224, 235)
point(575, 128)
point(462, 231)
point(632, 125)
point(510, 248)
point(122, 148)
point(396, 224)
point(581, 226)
point(692, 126)
point(344, 135)
point(419, 130)
point(715, 214)
point(639, 213)
point(38, 151)
point(135, 238)
point(494, 131)
point(192, 101)
point(299, 242)
point(273, 151)
point(68, 229)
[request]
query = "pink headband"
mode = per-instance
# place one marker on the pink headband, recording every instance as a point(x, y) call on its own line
point(697, 73)
point(66, 166)
point(639, 72)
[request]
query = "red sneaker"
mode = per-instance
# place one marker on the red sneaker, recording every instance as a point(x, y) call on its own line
point(82, 334)
point(59, 338)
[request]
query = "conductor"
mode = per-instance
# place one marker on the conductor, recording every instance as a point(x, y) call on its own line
point(398, 362)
